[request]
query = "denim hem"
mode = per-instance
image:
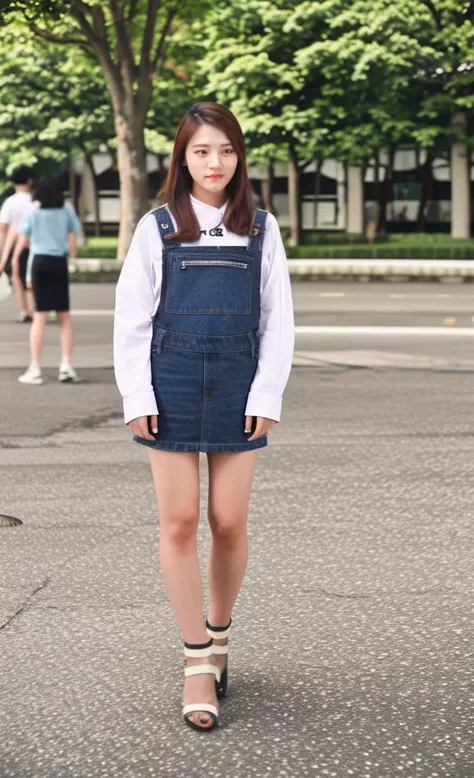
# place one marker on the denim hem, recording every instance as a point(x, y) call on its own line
point(204, 447)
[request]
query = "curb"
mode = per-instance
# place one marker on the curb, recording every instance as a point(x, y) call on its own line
point(108, 270)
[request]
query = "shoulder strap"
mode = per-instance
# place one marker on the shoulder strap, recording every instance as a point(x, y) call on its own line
point(257, 232)
point(164, 223)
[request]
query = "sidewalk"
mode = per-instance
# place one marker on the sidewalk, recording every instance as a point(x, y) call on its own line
point(324, 268)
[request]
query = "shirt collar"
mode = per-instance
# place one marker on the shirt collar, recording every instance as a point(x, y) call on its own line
point(199, 205)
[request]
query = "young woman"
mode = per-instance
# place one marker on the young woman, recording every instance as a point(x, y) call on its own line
point(203, 349)
point(51, 232)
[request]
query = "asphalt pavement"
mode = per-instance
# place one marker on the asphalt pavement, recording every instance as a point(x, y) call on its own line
point(351, 652)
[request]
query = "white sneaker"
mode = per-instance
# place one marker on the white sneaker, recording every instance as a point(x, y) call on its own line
point(67, 375)
point(31, 376)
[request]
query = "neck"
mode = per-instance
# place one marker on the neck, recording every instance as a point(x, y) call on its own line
point(216, 199)
point(22, 188)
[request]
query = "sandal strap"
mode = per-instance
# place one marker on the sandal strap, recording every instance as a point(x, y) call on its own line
point(218, 633)
point(202, 670)
point(198, 650)
point(221, 650)
point(204, 707)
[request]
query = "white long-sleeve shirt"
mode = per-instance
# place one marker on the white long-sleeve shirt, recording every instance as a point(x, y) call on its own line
point(138, 296)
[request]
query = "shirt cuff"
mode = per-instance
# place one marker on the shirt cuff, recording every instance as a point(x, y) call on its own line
point(266, 405)
point(139, 404)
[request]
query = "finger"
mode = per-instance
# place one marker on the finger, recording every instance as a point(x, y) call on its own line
point(248, 424)
point(140, 428)
point(259, 429)
point(144, 431)
point(154, 424)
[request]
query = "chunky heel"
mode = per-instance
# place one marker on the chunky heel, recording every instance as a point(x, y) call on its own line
point(201, 650)
point(220, 633)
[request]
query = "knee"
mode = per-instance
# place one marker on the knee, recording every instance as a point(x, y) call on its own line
point(228, 528)
point(180, 528)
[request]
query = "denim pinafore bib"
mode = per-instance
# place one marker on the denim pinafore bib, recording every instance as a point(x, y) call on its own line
point(205, 347)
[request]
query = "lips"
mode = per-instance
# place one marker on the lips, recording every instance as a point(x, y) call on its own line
point(215, 177)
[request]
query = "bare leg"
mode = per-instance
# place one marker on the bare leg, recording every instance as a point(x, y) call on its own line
point(66, 335)
point(176, 478)
point(37, 335)
point(23, 299)
point(30, 302)
point(230, 483)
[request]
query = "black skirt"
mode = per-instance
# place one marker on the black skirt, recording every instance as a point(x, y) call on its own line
point(50, 280)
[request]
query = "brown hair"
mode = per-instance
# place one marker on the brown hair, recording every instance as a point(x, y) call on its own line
point(177, 188)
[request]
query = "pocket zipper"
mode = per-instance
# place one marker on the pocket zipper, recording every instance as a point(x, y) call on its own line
point(213, 262)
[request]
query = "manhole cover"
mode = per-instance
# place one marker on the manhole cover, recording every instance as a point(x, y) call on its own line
point(9, 521)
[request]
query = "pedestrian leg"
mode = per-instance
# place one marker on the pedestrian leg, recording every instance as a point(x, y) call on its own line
point(37, 336)
point(230, 483)
point(66, 336)
point(176, 478)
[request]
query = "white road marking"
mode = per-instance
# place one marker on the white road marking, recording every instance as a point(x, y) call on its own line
point(400, 331)
point(396, 296)
point(332, 294)
point(449, 331)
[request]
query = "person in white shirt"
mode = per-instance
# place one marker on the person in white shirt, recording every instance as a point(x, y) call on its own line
point(12, 216)
point(203, 344)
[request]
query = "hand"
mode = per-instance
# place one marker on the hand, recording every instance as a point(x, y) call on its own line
point(29, 285)
point(262, 427)
point(140, 426)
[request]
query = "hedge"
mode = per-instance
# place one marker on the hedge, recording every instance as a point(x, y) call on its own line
point(383, 251)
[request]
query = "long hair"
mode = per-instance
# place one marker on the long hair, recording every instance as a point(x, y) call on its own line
point(238, 217)
point(49, 193)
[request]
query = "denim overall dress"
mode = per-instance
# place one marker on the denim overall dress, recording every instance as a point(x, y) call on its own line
point(205, 348)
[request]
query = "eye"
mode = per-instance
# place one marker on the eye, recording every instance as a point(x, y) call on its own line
point(228, 151)
point(200, 152)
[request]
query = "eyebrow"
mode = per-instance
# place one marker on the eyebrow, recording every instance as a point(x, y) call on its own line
point(206, 145)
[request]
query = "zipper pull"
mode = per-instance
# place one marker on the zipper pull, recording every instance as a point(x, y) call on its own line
point(183, 265)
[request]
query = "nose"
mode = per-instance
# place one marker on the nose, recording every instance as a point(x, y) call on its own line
point(214, 161)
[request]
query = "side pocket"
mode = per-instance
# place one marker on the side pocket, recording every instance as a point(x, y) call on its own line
point(157, 340)
point(255, 345)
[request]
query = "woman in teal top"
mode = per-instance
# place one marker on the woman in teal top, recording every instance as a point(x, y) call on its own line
point(51, 232)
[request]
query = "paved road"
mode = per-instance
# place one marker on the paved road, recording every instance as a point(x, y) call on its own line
point(352, 648)
point(445, 311)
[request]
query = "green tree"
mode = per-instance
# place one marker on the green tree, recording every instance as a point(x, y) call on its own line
point(402, 71)
point(128, 38)
point(252, 66)
point(53, 107)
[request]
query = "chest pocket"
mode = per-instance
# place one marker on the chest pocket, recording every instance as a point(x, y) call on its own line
point(209, 285)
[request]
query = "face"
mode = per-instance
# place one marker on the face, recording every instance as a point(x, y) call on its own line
point(211, 161)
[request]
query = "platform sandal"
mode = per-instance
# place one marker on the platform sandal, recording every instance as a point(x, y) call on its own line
point(220, 633)
point(197, 651)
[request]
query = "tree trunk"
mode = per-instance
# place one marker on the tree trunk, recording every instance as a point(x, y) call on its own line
point(95, 195)
point(355, 200)
point(426, 175)
point(386, 191)
point(460, 186)
point(317, 189)
point(267, 188)
point(72, 183)
point(294, 202)
point(131, 159)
